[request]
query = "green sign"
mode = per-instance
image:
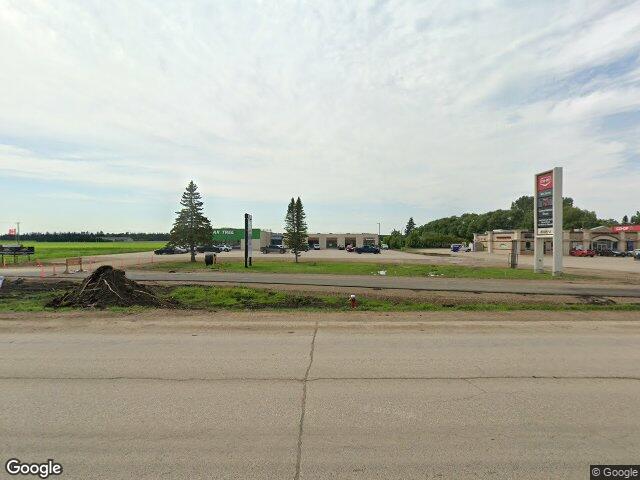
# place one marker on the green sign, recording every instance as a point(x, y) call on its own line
point(229, 235)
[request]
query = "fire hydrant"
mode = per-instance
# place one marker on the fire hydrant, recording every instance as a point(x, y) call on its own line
point(352, 301)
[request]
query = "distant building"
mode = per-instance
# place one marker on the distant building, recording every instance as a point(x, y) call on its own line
point(234, 237)
point(116, 239)
point(620, 237)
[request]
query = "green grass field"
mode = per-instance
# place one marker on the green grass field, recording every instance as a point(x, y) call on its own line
point(245, 298)
point(46, 251)
point(362, 268)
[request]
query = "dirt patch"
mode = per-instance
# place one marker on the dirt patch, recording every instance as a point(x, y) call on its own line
point(21, 287)
point(108, 287)
point(591, 300)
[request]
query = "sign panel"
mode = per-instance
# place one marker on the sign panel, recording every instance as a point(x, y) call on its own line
point(250, 235)
point(12, 231)
point(625, 228)
point(544, 204)
point(548, 218)
point(248, 244)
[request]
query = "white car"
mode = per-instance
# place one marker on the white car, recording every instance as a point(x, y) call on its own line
point(384, 246)
point(316, 246)
point(225, 248)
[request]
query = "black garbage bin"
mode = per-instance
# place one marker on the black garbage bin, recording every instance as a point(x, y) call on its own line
point(208, 258)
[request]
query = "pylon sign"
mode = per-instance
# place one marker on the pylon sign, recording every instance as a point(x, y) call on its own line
point(547, 215)
point(248, 244)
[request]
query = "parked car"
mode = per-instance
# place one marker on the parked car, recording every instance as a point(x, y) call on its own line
point(273, 249)
point(350, 248)
point(582, 252)
point(368, 249)
point(316, 246)
point(208, 248)
point(384, 246)
point(225, 248)
point(636, 254)
point(605, 252)
point(340, 247)
point(170, 250)
point(618, 253)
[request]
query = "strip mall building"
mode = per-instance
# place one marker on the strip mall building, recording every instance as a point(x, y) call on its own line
point(262, 238)
point(620, 237)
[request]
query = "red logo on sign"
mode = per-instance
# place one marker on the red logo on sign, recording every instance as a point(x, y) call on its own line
point(625, 228)
point(12, 231)
point(545, 182)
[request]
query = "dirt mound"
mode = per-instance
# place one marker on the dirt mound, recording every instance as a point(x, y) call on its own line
point(108, 287)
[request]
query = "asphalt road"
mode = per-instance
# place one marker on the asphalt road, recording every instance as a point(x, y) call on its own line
point(274, 396)
point(542, 287)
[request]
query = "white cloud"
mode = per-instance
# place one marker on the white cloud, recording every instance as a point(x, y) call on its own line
point(443, 106)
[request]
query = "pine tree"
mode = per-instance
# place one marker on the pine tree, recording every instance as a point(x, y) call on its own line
point(295, 227)
point(635, 219)
point(191, 227)
point(411, 225)
point(625, 220)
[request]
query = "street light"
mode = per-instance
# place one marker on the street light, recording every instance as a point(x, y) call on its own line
point(378, 233)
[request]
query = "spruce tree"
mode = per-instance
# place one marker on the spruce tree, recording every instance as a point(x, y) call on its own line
point(625, 220)
point(411, 225)
point(191, 227)
point(295, 227)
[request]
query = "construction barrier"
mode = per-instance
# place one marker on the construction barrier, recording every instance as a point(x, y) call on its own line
point(73, 262)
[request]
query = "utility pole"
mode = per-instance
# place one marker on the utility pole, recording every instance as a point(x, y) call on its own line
point(18, 232)
point(379, 242)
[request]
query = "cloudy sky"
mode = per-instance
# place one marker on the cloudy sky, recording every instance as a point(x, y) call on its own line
point(370, 111)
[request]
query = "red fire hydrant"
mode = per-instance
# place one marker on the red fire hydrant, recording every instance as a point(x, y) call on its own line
point(352, 301)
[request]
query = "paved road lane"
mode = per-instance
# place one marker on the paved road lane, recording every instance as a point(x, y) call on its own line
point(316, 397)
point(535, 287)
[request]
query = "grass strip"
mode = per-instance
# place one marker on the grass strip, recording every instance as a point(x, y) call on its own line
point(362, 268)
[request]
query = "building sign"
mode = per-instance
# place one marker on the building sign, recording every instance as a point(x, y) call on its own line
point(544, 204)
point(625, 228)
point(547, 212)
point(12, 231)
point(248, 236)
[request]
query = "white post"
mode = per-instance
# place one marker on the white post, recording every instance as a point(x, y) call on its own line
point(538, 255)
point(558, 246)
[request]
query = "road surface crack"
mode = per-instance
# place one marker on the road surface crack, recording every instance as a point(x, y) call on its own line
point(304, 403)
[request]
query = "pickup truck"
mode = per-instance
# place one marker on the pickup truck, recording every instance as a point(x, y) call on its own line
point(273, 249)
point(582, 252)
point(368, 249)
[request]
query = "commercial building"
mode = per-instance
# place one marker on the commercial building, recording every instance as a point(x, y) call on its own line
point(262, 238)
point(620, 237)
point(336, 240)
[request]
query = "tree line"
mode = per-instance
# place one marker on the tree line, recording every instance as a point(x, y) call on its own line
point(458, 229)
point(85, 236)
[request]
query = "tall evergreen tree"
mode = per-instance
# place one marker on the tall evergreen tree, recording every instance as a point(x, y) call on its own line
point(295, 227)
point(625, 219)
point(411, 225)
point(191, 227)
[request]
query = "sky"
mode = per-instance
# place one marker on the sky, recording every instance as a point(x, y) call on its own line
point(369, 111)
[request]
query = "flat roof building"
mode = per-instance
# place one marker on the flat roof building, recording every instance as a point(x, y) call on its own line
point(619, 237)
point(234, 237)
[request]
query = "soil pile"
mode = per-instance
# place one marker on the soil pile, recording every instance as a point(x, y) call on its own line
point(108, 287)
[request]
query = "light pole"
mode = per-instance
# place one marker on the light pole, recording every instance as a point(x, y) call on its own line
point(379, 234)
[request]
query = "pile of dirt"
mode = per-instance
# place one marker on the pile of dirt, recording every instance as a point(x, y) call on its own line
point(108, 287)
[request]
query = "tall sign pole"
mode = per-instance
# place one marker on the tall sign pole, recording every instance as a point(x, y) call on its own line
point(248, 245)
point(547, 216)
